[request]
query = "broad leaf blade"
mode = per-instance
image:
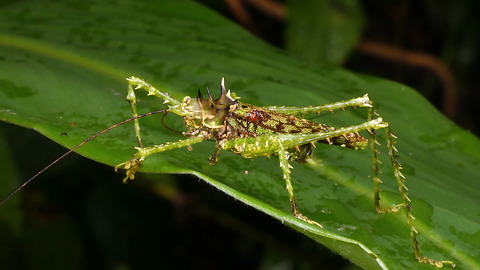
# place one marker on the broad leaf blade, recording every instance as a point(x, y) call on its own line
point(65, 78)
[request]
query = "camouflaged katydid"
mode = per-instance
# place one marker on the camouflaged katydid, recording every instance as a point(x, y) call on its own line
point(252, 131)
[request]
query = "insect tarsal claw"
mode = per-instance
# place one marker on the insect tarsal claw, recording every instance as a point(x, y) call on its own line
point(306, 219)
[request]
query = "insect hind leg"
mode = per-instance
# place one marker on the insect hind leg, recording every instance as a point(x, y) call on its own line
point(400, 179)
point(363, 101)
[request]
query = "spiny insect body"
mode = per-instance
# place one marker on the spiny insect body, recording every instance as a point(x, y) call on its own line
point(252, 131)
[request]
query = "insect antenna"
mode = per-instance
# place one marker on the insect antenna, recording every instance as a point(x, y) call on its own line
point(165, 125)
point(75, 148)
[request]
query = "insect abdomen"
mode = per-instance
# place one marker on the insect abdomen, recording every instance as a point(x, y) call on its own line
point(251, 121)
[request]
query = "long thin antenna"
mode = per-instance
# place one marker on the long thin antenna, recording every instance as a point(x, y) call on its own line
point(75, 148)
point(165, 125)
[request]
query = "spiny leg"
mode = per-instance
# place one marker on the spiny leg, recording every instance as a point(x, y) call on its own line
point(132, 100)
point(268, 144)
point(138, 83)
point(402, 188)
point(363, 101)
point(278, 144)
point(376, 170)
point(135, 83)
point(134, 164)
point(285, 166)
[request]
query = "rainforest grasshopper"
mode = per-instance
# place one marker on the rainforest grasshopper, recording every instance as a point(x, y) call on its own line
point(252, 131)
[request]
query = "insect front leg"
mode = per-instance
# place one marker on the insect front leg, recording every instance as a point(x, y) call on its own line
point(133, 165)
point(175, 106)
point(135, 83)
point(132, 99)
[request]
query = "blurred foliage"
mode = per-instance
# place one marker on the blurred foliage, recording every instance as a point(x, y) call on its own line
point(323, 32)
point(447, 31)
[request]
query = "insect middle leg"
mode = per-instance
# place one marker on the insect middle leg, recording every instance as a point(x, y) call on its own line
point(285, 166)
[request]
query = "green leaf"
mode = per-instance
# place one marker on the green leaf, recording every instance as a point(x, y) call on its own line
point(63, 68)
point(323, 32)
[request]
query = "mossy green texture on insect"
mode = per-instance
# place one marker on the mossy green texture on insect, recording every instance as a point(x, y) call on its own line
point(253, 131)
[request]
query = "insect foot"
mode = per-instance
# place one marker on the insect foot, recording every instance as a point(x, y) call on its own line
point(393, 209)
point(306, 219)
point(438, 264)
point(132, 166)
